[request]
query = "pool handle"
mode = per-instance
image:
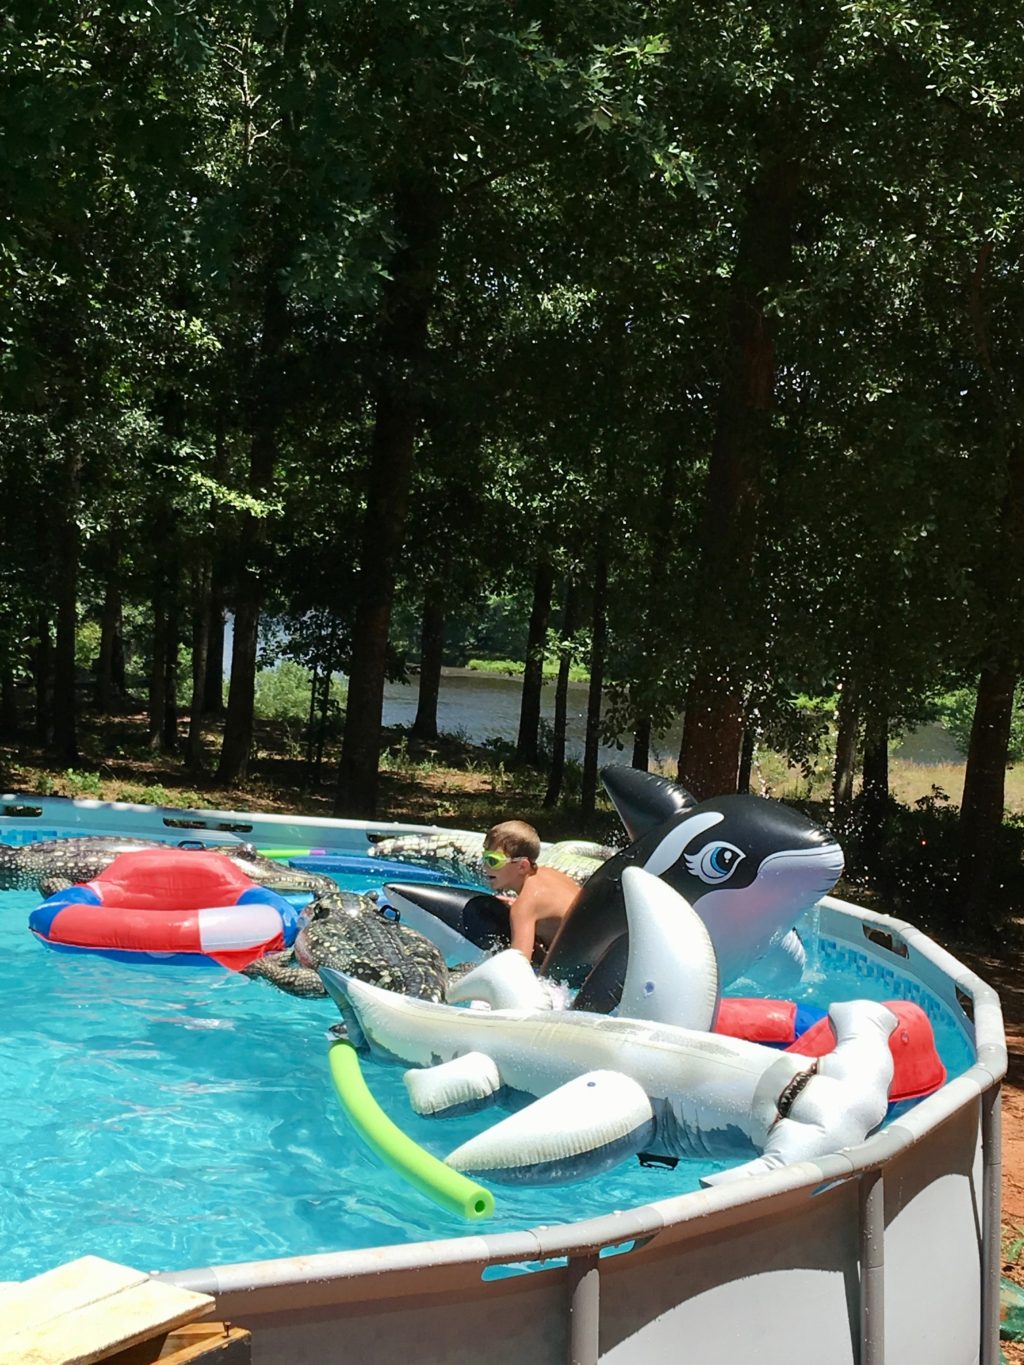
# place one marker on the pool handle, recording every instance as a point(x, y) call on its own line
point(433, 1178)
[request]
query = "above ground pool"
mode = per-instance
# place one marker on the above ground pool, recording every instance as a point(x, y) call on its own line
point(134, 1090)
point(170, 1118)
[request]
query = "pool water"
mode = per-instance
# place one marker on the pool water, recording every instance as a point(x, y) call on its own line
point(175, 1117)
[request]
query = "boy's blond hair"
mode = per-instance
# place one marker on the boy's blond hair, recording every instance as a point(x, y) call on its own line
point(514, 837)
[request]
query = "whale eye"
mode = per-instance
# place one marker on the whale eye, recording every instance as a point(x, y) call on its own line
point(715, 862)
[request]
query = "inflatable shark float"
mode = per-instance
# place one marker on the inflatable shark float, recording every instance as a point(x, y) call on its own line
point(748, 866)
point(653, 1080)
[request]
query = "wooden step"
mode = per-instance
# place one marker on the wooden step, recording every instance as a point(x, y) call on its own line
point(88, 1310)
point(213, 1343)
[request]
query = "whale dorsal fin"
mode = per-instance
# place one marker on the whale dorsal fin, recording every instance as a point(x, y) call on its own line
point(643, 800)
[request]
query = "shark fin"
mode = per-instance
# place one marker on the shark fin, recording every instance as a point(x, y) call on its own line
point(466, 1083)
point(671, 971)
point(643, 800)
point(583, 1128)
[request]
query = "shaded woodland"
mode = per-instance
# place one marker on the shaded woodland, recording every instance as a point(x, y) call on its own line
point(696, 329)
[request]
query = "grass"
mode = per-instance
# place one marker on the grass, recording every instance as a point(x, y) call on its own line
point(513, 668)
point(446, 781)
point(908, 782)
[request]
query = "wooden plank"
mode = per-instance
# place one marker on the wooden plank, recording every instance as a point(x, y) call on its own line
point(216, 1343)
point(96, 1330)
point(70, 1286)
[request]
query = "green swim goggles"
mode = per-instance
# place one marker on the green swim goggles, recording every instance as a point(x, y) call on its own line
point(494, 858)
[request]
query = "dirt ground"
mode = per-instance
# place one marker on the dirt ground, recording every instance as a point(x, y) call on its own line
point(1006, 975)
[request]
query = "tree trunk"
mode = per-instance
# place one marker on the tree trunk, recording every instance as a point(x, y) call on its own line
point(8, 703)
point(642, 744)
point(598, 647)
point(875, 793)
point(117, 661)
point(431, 653)
point(709, 756)
point(746, 758)
point(238, 727)
point(982, 808)
point(1001, 576)
point(323, 703)
point(311, 715)
point(556, 774)
point(162, 719)
point(42, 676)
point(267, 415)
point(528, 739)
point(201, 583)
point(650, 632)
point(65, 697)
point(110, 629)
point(847, 731)
point(407, 299)
point(169, 720)
point(158, 669)
point(727, 614)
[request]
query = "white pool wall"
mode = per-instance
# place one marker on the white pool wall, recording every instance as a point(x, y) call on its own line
point(885, 1253)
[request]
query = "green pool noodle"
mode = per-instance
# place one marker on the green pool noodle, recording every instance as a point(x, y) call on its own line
point(431, 1177)
point(283, 854)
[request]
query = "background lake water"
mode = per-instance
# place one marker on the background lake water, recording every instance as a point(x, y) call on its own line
point(482, 706)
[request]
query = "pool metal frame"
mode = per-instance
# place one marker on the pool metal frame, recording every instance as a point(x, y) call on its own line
point(883, 1253)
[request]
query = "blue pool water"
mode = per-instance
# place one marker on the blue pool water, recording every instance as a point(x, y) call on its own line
point(172, 1117)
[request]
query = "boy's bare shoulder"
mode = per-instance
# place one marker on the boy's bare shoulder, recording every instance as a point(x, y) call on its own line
point(554, 876)
point(554, 888)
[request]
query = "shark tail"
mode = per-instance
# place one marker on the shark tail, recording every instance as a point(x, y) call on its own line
point(336, 985)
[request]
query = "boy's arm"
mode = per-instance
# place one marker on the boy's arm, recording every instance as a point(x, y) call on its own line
point(523, 923)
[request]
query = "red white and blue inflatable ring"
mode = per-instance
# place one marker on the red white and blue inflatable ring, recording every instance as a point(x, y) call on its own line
point(169, 906)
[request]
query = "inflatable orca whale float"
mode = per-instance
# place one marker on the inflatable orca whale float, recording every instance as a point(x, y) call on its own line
point(605, 1088)
point(748, 866)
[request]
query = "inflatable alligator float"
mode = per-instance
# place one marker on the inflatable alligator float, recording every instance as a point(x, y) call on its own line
point(54, 864)
point(458, 855)
point(349, 932)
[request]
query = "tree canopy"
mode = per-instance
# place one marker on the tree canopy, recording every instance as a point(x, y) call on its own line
point(704, 320)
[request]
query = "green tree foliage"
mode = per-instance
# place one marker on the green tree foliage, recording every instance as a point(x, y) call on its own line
point(352, 320)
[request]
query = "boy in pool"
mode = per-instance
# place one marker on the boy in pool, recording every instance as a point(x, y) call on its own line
point(543, 895)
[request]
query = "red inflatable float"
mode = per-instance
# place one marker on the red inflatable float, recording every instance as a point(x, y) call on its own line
point(171, 906)
point(918, 1069)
